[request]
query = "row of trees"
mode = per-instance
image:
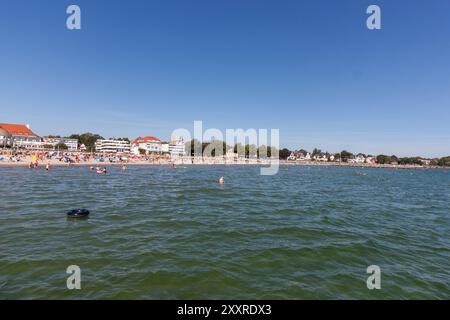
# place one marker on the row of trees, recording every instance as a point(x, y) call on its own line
point(381, 159)
point(59, 146)
point(444, 162)
point(220, 148)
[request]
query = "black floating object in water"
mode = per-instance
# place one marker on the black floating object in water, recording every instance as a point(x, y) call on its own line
point(78, 213)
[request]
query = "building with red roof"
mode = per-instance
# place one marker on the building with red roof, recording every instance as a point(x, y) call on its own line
point(147, 144)
point(146, 139)
point(18, 135)
point(18, 130)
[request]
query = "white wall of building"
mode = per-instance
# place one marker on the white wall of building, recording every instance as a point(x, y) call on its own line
point(112, 146)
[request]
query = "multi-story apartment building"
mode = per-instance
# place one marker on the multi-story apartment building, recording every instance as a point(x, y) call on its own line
point(177, 148)
point(112, 146)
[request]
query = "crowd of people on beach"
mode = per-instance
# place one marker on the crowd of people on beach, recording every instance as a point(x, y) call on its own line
point(55, 157)
point(93, 158)
point(58, 158)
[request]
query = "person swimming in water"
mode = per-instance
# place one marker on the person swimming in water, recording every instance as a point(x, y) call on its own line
point(221, 180)
point(47, 167)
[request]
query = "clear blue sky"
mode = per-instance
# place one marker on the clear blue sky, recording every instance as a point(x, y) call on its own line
point(310, 68)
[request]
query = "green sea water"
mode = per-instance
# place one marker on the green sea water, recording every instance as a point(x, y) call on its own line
point(163, 233)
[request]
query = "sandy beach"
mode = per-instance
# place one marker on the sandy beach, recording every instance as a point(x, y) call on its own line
point(26, 160)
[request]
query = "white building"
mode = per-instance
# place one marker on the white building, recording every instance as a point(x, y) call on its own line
point(72, 144)
point(28, 144)
point(19, 136)
point(165, 147)
point(148, 144)
point(112, 146)
point(177, 148)
point(291, 157)
point(371, 159)
point(360, 158)
point(5, 138)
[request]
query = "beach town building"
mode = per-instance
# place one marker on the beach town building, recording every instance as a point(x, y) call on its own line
point(19, 136)
point(370, 159)
point(72, 144)
point(165, 147)
point(177, 147)
point(112, 146)
point(322, 157)
point(302, 156)
point(291, 157)
point(147, 144)
point(298, 155)
point(5, 138)
point(360, 158)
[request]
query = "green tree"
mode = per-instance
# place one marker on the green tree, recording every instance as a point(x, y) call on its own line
point(75, 136)
point(61, 146)
point(383, 159)
point(194, 147)
point(316, 152)
point(284, 153)
point(264, 152)
point(345, 155)
point(410, 161)
point(88, 139)
point(444, 162)
point(394, 159)
point(215, 148)
point(122, 139)
point(239, 149)
point(434, 162)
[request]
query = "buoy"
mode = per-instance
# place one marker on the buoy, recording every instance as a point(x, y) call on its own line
point(78, 213)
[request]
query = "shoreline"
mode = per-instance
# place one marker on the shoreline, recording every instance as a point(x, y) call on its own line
point(56, 163)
